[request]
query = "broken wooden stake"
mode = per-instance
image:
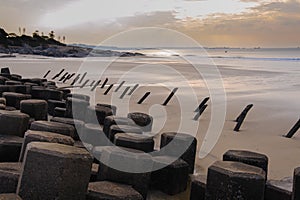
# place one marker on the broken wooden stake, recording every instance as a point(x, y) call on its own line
point(199, 113)
point(121, 84)
point(57, 75)
point(96, 84)
point(108, 89)
point(202, 104)
point(92, 83)
point(68, 77)
point(63, 77)
point(104, 83)
point(170, 96)
point(125, 91)
point(133, 89)
point(293, 130)
point(75, 79)
point(144, 97)
point(47, 74)
point(242, 117)
point(245, 111)
point(84, 84)
point(83, 76)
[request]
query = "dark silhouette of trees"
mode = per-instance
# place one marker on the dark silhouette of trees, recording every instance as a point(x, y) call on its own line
point(24, 31)
point(36, 33)
point(52, 35)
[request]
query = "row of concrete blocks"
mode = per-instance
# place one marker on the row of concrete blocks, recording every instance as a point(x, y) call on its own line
point(172, 178)
point(243, 175)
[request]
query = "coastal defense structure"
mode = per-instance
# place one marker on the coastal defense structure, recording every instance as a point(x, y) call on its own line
point(295, 128)
point(170, 96)
point(240, 119)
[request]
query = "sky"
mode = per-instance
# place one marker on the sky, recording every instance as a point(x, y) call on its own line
point(212, 23)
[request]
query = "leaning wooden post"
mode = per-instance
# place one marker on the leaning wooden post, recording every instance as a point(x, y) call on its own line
point(242, 117)
point(108, 89)
point(75, 79)
point(202, 104)
point(57, 75)
point(92, 83)
point(121, 84)
point(47, 74)
point(83, 76)
point(63, 77)
point(104, 83)
point(84, 84)
point(96, 84)
point(295, 128)
point(202, 109)
point(68, 77)
point(125, 91)
point(144, 97)
point(170, 96)
point(133, 89)
point(245, 111)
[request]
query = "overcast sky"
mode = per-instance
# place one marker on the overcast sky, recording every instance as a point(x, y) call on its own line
point(235, 23)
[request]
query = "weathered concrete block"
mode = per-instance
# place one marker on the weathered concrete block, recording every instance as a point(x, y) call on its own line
point(135, 141)
point(52, 104)
point(9, 177)
point(111, 191)
point(235, 180)
point(5, 70)
point(76, 108)
point(126, 166)
point(2, 100)
point(198, 187)
point(296, 184)
point(65, 91)
point(46, 94)
point(114, 129)
point(54, 171)
point(2, 107)
point(94, 135)
point(97, 114)
point(54, 127)
point(143, 120)
point(13, 82)
point(13, 123)
point(248, 157)
point(10, 148)
point(114, 120)
point(9, 197)
point(14, 99)
point(2, 80)
point(19, 89)
point(77, 124)
point(35, 108)
point(42, 136)
point(170, 178)
point(114, 108)
point(176, 144)
point(16, 77)
point(79, 96)
point(59, 112)
point(279, 189)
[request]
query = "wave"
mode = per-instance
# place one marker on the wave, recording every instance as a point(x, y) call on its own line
point(246, 58)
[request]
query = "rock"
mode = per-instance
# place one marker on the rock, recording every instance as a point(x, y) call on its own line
point(46, 94)
point(3, 80)
point(14, 99)
point(2, 100)
point(59, 112)
point(143, 120)
point(126, 166)
point(114, 129)
point(248, 157)
point(13, 123)
point(97, 114)
point(296, 184)
point(111, 191)
point(52, 104)
point(279, 189)
point(10, 148)
point(235, 180)
point(54, 171)
point(114, 108)
point(3, 88)
point(180, 145)
point(65, 92)
point(135, 141)
point(42, 136)
point(79, 96)
point(9, 197)
point(2, 107)
point(94, 172)
point(19, 89)
point(114, 120)
point(93, 134)
point(198, 187)
point(9, 177)
point(54, 127)
point(77, 124)
point(170, 178)
point(13, 82)
point(76, 108)
point(5, 70)
point(35, 108)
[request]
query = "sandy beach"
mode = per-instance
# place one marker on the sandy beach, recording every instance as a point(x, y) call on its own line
point(274, 93)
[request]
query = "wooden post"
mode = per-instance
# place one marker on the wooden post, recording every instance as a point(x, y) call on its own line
point(133, 89)
point(295, 128)
point(170, 96)
point(47, 74)
point(121, 84)
point(57, 75)
point(84, 84)
point(92, 83)
point(245, 111)
point(75, 79)
point(104, 83)
point(144, 97)
point(242, 117)
point(69, 77)
point(202, 104)
point(63, 77)
point(108, 89)
point(125, 91)
point(83, 76)
point(94, 87)
point(202, 109)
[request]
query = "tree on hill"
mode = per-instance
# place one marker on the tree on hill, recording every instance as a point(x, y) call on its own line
point(24, 31)
point(64, 39)
point(52, 35)
point(20, 31)
point(36, 33)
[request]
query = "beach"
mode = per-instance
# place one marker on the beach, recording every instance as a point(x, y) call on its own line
point(269, 83)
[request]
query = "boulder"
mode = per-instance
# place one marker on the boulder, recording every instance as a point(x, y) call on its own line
point(10, 148)
point(97, 114)
point(143, 120)
point(35, 108)
point(198, 187)
point(76, 108)
point(9, 177)
point(114, 120)
point(94, 135)
point(59, 112)
point(52, 104)
point(77, 124)
point(54, 127)
point(114, 129)
point(13, 123)
point(13, 99)
point(135, 141)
